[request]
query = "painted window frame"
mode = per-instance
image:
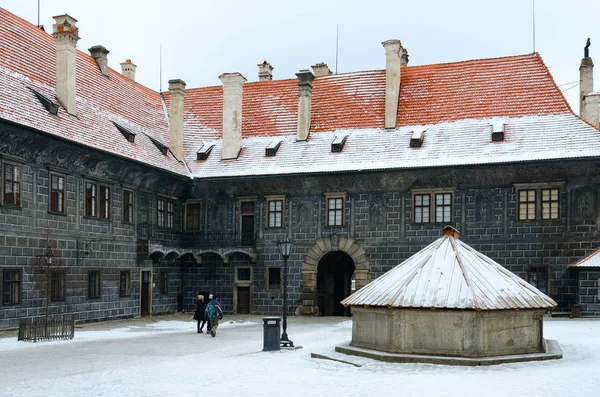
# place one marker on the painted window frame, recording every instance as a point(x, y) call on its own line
point(433, 206)
point(339, 197)
point(124, 283)
point(193, 217)
point(60, 193)
point(94, 289)
point(10, 286)
point(271, 214)
point(98, 205)
point(527, 204)
point(58, 285)
point(268, 279)
point(165, 213)
point(547, 206)
point(540, 204)
point(16, 195)
point(128, 206)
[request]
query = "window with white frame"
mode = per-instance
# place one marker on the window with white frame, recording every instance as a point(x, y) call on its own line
point(275, 206)
point(432, 207)
point(538, 201)
point(335, 209)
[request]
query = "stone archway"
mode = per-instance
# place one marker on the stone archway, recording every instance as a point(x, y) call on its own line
point(311, 262)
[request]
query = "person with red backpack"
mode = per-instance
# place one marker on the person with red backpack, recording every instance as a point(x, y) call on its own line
point(214, 313)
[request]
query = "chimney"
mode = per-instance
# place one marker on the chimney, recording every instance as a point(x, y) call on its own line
point(305, 78)
point(265, 71)
point(393, 49)
point(321, 69)
point(66, 35)
point(232, 114)
point(586, 78)
point(128, 69)
point(100, 54)
point(592, 108)
point(176, 95)
point(404, 58)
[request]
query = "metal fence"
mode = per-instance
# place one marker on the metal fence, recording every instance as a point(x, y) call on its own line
point(42, 328)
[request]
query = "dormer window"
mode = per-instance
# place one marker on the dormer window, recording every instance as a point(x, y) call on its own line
point(130, 136)
point(416, 140)
point(498, 128)
point(50, 106)
point(163, 149)
point(272, 148)
point(338, 143)
point(204, 151)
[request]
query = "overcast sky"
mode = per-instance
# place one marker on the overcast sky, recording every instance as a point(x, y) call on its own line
point(202, 39)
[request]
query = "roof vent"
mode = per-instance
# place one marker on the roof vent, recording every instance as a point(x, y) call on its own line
point(163, 149)
point(50, 106)
point(416, 139)
point(130, 136)
point(338, 143)
point(204, 151)
point(498, 128)
point(272, 148)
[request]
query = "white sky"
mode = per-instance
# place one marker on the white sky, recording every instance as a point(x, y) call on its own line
point(170, 359)
point(202, 39)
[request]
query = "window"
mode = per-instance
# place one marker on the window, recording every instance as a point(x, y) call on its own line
point(443, 207)
point(244, 274)
point(432, 207)
point(274, 278)
point(247, 223)
point(57, 193)
point(127, 206)
point(275, 212)
point(93, 284)
point(164, 283)
point(160, 213)
point(12, 184)
point(57, 285)
point(549, 203)
point(164, 213)
point(124, 283)
point(422, 206)
point(97, 201)
point(170, 212)
point(11, 287)
point(538, 277)
point(527, 204)
point(193, 217)
point(335, 211)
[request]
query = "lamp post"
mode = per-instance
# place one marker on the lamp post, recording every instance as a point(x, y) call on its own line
point(285, 249)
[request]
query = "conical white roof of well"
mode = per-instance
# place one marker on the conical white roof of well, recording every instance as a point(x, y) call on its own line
point(449, 274)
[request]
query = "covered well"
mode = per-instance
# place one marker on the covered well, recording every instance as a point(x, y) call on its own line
point(449, 300)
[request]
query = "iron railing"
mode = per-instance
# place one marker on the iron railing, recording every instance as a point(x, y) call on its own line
point(42, 328)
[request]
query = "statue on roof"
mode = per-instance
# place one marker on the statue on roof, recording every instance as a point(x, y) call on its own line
point(586, 50)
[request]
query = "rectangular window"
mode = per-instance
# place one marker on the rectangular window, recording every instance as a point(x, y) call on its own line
point(11, 287)
point(12, 184)
point(91, 195)
point(443, 207)
point(274, 278)
point(275, 213)
point(124, 283)
point(97, 201)
point(164, 283)
point(527, 204)
point(104, 202)
point(335, 211)
point(58, 285)
point(170, 215)
point(160, 213)
point(247, 223)
point(57, 193)
point(193, 217)
point(549, 203)
point(127, 206)
point(164, 213)
point(94, 284)
point(422, 206)
point(244, 274)
point(538, 277)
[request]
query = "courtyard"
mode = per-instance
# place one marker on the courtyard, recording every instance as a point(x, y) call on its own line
point(165, 356)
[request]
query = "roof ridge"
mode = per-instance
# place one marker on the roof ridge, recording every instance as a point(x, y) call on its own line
point(464, 271)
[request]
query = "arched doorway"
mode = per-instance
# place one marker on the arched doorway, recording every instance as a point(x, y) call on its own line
point(334, 283)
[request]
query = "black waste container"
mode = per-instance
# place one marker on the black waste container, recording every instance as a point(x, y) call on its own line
point(271, 336)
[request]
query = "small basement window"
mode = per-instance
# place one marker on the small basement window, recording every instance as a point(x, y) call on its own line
point(338, 143)
point(416, 139)
point(204, 151)
point(272, 148)
point(130, 136)
point(498, 128)
point(163, 149)
point(50, 106)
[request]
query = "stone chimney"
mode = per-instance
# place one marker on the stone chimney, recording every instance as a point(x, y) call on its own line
point(66, 36)
point(321, 69)
point(586, 78)
point(176, 95)
point(393, 49)
point(265, 71)
point(128, 69)
point(305, 79)
point(592, 108)
point(232, 114)
point(100, 54)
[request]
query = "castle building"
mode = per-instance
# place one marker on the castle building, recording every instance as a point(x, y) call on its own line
point(120, 201)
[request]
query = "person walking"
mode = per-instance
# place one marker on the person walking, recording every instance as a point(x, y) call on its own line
point(199, 314)
point(214, 312)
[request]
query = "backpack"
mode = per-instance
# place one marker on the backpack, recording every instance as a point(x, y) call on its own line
point(214, 311)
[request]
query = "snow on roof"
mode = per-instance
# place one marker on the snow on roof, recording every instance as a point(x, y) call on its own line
point(464, 142)
point(449, 274)
point(592, 260)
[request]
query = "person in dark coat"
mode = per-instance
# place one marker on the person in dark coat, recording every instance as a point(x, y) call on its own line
point(199, 314)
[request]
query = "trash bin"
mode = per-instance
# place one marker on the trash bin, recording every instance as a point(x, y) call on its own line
point(271, 333)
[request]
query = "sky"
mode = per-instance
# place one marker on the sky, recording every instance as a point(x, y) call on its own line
point(202, 39)
point(168, 358)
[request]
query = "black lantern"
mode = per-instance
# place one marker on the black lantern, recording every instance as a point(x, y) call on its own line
point(285, 249)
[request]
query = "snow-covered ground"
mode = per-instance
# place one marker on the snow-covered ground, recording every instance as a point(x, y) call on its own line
point(168, 358)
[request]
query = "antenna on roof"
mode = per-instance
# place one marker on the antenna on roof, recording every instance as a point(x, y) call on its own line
point(160, 69)
point(337, 38)
point(534, 26)
point(38, 14)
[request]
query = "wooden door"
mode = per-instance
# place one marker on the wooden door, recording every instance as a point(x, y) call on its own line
point(243, 300)
point(146, 290)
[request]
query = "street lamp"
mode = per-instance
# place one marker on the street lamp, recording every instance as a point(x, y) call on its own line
point(285, 249)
